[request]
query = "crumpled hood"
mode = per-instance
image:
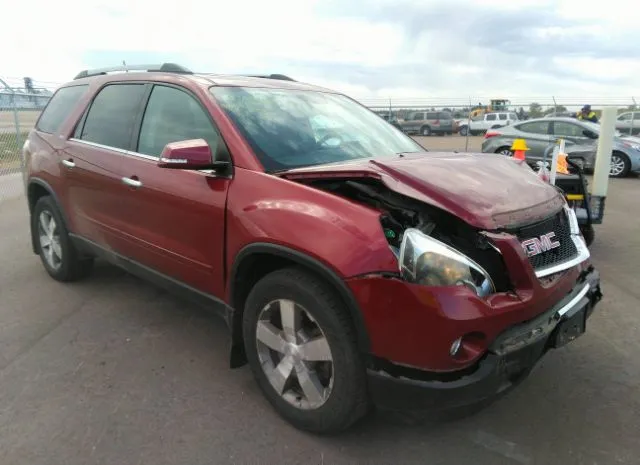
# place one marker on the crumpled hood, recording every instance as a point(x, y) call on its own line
point(487, 191)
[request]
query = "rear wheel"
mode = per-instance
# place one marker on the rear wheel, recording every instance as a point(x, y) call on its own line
point(620, 165)
point(58, 254)
point(464, 130)
point(506, 151)
point(301, 347)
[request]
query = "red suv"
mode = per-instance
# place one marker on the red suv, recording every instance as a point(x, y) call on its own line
point(353, 268)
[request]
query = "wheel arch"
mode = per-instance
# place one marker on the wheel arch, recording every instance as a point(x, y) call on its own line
point(255, 261)
point(36, 189)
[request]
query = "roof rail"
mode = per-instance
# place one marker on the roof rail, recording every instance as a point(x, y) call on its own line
point(163, 67)
point(280, 77)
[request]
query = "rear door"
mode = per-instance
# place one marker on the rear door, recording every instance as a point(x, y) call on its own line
point(174, 220)
point(93, 158)
point(537, 135)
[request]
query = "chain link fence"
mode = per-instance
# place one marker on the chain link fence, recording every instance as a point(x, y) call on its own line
point(20, 106)
point(22, 100)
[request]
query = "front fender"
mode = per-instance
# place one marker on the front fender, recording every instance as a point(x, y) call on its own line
point(341, 234)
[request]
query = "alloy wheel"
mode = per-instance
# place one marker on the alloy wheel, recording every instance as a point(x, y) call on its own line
point(50, 239)
point(617, 165)
point(294, 354)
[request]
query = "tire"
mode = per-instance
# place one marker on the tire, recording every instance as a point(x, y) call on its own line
point(506, 151)
point(464, 130)
point(58, 254)
point(425, 131)
point(588, 233)
point(342, 380)
point(620, 165)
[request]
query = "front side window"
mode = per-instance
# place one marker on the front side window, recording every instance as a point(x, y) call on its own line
point(624, 117)
point(561, 128)
point(295, 128)
point(173, 115)
point(491, 117)
point(418, 117)
point(112, 116)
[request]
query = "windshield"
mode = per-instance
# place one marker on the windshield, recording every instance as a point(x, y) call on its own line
point(295, 128)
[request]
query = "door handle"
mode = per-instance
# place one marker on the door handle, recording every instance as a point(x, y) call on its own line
point(68, 163)
point(132, 182)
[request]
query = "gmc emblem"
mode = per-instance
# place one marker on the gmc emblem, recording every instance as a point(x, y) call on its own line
point(538, 245)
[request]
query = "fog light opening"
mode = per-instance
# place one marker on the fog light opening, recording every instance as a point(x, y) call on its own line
point(455, 347)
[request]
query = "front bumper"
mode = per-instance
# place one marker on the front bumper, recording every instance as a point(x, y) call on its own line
point(510, 358)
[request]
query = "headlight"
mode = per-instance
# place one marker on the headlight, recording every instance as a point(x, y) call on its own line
point(425, 260)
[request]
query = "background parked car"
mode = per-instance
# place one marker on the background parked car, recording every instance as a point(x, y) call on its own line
point(542, 132)
point(629, 122)
point(483, 123)
point(428, 122)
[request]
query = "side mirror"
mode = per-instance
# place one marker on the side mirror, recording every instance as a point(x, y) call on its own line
point(194, 154)
point(589, 134)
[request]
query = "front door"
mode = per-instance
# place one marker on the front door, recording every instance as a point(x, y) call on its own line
point(174, 220)
point(92, 161)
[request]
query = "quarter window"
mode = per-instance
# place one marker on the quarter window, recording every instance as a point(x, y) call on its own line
point(173, 115)
point(59, 108)
point(112, 116)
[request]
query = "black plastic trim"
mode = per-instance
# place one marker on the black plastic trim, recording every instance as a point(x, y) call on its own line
point(316, 267)
point(172, 285)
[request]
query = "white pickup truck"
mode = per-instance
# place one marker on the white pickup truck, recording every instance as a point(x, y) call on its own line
point(483, 123)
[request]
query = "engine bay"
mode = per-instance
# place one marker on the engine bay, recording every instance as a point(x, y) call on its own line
point(399, 213)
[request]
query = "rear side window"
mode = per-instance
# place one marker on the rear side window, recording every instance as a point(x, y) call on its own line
point(112, 115)
point(432, 116)
point(59, 108)
point(418, 116)
point(491, 117)
point(445, 115)
point(173, 115)
point(502, 116)
point(534, 127)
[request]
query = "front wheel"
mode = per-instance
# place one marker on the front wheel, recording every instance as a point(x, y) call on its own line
point(301, 347)
point(425, 131)
point(464, 130)
point(620, 165)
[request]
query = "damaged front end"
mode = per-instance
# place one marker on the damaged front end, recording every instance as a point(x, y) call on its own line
point(433, 247)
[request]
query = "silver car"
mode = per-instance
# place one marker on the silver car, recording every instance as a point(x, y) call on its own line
point(541, 133)
point(629, 122)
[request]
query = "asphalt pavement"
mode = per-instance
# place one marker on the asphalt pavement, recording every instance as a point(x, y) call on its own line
point(112, 370)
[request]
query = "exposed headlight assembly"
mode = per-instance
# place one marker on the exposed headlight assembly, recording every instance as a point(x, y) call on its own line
point(425, 260)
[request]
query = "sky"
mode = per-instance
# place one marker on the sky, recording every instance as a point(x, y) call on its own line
point(375, 49)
